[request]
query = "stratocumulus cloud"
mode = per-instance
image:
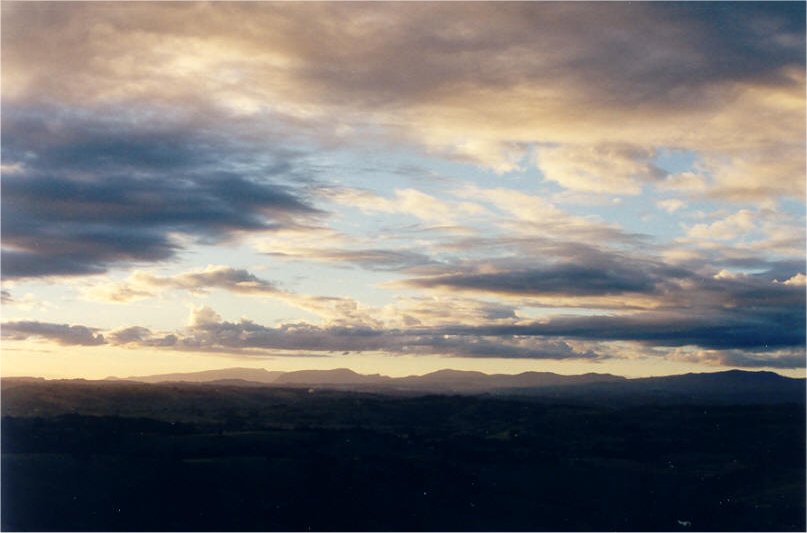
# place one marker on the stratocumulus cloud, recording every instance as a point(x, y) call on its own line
point(91, 195)
point(64, 334)
point(649, 75)
point(567, 279)
point(549, 181)
point(731, 330)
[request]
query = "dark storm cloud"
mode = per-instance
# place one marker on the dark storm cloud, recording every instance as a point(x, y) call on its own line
point(63, 334)
point(87, 194)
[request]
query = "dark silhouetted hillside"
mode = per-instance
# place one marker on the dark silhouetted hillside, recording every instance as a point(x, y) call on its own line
point(733, 386)
point(125, 456)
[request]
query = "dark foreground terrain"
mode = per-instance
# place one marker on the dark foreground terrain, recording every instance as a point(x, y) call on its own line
point(126, 456)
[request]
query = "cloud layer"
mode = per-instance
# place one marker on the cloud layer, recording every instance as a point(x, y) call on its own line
point(85, 194)
point(510, 180)
point(598, 88)
point(63, 334)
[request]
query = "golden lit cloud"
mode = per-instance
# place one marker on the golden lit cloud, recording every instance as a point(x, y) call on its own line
point(518, 82)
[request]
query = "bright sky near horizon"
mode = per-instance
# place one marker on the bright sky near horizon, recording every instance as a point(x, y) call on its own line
point(401, 187)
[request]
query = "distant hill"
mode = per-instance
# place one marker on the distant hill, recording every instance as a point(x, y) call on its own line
point(339, 376)
point(463, 381)
point(258, 375)
point(224, 398)
point(728, 387)
point(732, 386)
point(446, 380)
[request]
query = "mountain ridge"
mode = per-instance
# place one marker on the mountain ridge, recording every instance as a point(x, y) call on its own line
point(724, 387)
point(727, 382)
point(260, 375)
point(337, 376)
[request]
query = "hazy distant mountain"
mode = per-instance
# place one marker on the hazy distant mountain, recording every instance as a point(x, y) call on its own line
point(258, 375)
point(338, 376)
point(25, 397)
point(731, 383)
point(730, 386)
point(457, 380)
point(533, 379)
point(451, 379)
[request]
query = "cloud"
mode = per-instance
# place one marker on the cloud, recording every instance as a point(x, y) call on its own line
point(743, 312)
point(140, 336)
point(117, 292)
point(136, 132)
point(567, 279)
point(748, 236)
point(735, 225)
point(730, 329)
point(670, 205)
point(96, 194)
point(612, 169)
point(207, 331)
point(62, 334)
point(740, 321)
point(651, 302)
point(615, 81)
point(522, 215)
point(574, 271)
point(328, 245)
point(770, 358)
point(798, 279)
point(28, 301)
point(213, 276)
point(436, 311)
point(374, 259)
point(686, 182)
point(645, 62)
point(518, 220)
point(411, 202)
point(141, 284)
point(379, 259)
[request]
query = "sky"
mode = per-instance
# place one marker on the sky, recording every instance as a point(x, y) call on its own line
point(398, 188)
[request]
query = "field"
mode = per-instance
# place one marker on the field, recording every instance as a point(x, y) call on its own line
point(224, 458)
